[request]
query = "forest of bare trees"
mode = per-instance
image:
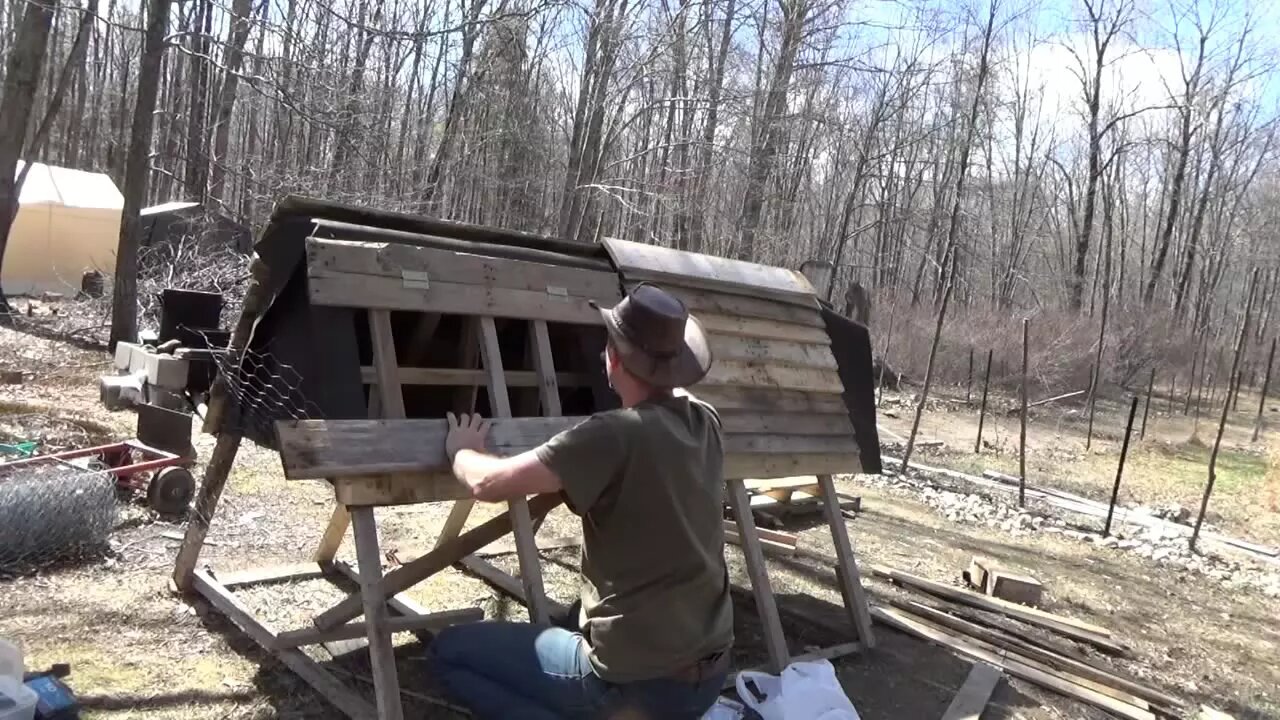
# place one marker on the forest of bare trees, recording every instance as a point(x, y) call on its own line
point(1063, 161)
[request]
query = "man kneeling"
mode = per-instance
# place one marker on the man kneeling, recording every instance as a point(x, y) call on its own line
point(653, 635)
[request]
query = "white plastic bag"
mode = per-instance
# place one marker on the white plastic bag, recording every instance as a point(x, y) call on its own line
point(804, 691)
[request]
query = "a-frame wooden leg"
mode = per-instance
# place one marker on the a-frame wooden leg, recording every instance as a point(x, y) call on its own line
point(386, 399)
point(855, 598)
point(548, 387)
point(774, 639)
point(464, 401)
point(521, 522)
point(386, 682)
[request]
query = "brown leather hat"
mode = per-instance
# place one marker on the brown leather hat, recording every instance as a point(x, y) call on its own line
point(657, 339)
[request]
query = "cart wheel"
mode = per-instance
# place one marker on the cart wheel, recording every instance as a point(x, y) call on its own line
point(170, 491)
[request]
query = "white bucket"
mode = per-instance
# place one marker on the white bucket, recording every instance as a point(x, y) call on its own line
point(10, 661)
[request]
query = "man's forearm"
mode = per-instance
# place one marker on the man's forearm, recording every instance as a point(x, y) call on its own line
point(473, 468)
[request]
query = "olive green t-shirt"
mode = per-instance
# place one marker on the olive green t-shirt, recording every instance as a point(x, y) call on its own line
point(648, 482)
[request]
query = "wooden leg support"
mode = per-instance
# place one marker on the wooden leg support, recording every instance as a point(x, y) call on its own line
point(333, 534)
point(435, 561)
point(296, 660)
point(855, 598)
point(215, 478)
point(381, 651)
point(766, 606)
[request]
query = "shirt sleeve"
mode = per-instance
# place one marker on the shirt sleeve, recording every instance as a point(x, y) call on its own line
point(587, 458)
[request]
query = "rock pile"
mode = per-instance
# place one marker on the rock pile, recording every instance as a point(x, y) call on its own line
point(1163, 544)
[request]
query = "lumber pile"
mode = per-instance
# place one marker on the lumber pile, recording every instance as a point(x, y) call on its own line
point(773, 501)
point(951, 619)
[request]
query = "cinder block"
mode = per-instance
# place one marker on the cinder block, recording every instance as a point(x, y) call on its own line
point(124, 355)
point(166, 371)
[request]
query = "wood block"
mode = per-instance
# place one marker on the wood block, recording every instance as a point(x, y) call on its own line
point(1021, 589)
point(976, 575)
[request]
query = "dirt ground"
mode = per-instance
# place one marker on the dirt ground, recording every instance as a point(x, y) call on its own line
point(138, 650)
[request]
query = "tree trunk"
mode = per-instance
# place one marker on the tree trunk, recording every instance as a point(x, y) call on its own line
point(241, 22)
point(21, 80)
point(124, 302)
point(767, 138)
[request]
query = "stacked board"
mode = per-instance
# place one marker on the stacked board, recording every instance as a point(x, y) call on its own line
point(774, 378)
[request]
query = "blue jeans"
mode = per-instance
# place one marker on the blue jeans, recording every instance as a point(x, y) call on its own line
point(519, 671)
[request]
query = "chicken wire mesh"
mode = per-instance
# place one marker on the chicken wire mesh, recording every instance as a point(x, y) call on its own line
point(52, 511)
point(261, 390)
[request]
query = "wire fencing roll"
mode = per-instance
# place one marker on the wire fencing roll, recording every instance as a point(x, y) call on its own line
point(52, 511)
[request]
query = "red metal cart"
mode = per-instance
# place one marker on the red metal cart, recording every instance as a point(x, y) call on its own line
point(165, 476)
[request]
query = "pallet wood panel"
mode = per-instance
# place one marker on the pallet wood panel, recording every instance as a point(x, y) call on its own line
point(728, 398)
point(471, 377)
point(399, 488)
point(745, 466)
point(740, 421)
point(737, 326)
point(727, 303)
point(747, 444)
point(315, 449)
point(431, 264)
point(754, 374)
point(637, 261)
point(386, 293)
point(773, 352)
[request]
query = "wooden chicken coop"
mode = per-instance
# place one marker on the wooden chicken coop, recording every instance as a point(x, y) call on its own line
point(362, 329)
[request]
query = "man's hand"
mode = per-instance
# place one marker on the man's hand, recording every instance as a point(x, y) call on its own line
point(466, 432)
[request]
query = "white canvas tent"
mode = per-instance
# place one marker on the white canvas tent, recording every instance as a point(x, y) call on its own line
point(68, 222)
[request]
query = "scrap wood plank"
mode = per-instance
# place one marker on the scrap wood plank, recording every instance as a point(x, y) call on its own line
point(771, 400)
point(780, 489)
point(299, 662)
point(471, 377)
point(776, 352)
point(784, 538)
point(1051, 680)
point(757, 465)
point(738, 326)
point(557, 543)
point(769, 547)
point(1074, 629)
point(503, 581)
point(438, 559)
point(972, 698)
point(293, 572)
point(765, 444)
point(1048, 657)
point(737, 304)
point(353, 630)
point(389, 293)
point(763, 373)
point(315, 449)
point(785, 423)
point(637, 261)
point(439, 264)
point(398, 488)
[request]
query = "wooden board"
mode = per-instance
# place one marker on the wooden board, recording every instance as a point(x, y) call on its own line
point(388, 293)
point(739, 326)
point(636, 261)
point(740, 305)
point(437, 264)
point(1070, 627)
point(438, 559)
point(747, 444)
point(313, 449)
point(743, 422)
point(399, 488)
point(766, 605)
point(346, 700)
point(739, 465)
point(914, 626)
point(773, 352)
point(471, 377)
point(766, 375)
point(350, 631)
point(972, 698)
point(770, 400)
